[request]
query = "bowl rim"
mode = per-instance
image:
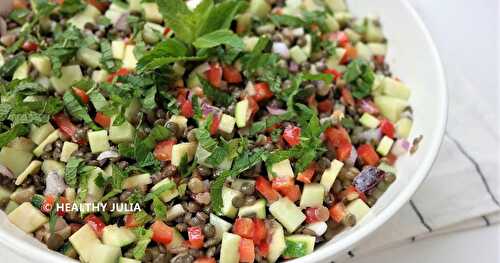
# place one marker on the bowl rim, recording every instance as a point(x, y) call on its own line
point(32, 252)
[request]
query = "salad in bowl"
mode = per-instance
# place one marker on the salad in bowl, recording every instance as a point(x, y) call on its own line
point(199, 131)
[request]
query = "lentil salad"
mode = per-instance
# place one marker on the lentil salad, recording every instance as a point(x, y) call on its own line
point(256, 135)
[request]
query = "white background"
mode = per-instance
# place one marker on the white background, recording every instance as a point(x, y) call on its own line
point(467, 35)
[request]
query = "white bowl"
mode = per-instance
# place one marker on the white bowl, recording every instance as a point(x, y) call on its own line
point(414, 58)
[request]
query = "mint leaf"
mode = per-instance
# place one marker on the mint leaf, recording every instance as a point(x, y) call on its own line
point(359, 75)
point(205, 140)
point(11, 134)
point(159, 208)
point(74, 108)
point(220, 16)
point(144, 238)
point(287, 20)
point(219, 37)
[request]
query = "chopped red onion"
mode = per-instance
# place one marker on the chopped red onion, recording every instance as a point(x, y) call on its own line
point(400, 147)
point(370, 135)
point(107, 155)
point(275, 111)
point(54, 184)
point(281, 49)
point(207, 109)
point(6, 172)
point(353, 157)
point(121, 23)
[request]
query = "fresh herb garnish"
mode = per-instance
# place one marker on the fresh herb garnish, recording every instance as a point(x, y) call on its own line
point(359, 75)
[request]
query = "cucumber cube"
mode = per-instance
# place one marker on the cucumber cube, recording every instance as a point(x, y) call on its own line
point(98, 141)
point(15, 160)
point(259, 8)
point(387, 168)
point(134, 6)
point(403, 127)
point(49, 166)
point(39, 150)
point(174, 212)
point(258, 210)
point(129, 59)
point(390, 107)
point(369, 121)
point(32, 168)
point(42, 64)
point(229, 252)
point(358, 208)
point(38, 134)
point(11, 206)
point(152, 13)
point(70, 75)
point(152, 32)
point(181, 149)
point(287, 213)
point(104, 254)
point(88, 15)
point(95, 192)
point(27, 217)
point(334, 60)
point(180, 120)
point(226, 124)
point(330, 174)
point(373, 32)
point(137, 181)
point(336, 5)
point(242, 113)
point(22, 143)
point(312, 195)
point(277, 245)
point(221, 226)
point(100, 76)
point(250, 42)
point(67, 150)
point(123, 133)
point(394, 88)
point(281, 169)
point(168, 195)
point(385, 145)
point(299, 245)
point(228, 208)
point(115, 11)
point(22, 71)
point(117, 236)
point(363, 51)
point(83, 241)
point(89, 57)
point(118, 49)
point(298, 55)
point(378, 49)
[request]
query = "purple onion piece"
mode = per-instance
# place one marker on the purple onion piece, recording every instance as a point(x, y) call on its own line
point(400, 147)
point(275, 111)
point(107, 155)
point(54, 184)
point(368, 179)
point(207, 109)
point(353, 157)
point(122, 23)
point(370, 135)
point(6, 171)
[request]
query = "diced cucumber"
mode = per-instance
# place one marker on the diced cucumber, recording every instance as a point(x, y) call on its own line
point(98, 141)
point(15, 160)
point(11, 206)
point(22, 143)
point(229, 252)
point(70, 75)
point(118, 49)
point(137, 181)
point(52, 166)
point(385, 145)
point(287, 213)
point(174, 212)
point(123, 133)
point(355, 38)
point(403, 127)
point(27, 217)
point(334, 60)
point(250, 42)
point(277, 245)
point(180, 120)
point(83, 241)
point(312, 5)
point(330, 174)
point(369, 120)
point(100, 76)
point(134, 6)
point(358, 208)
point(32, 168)
point(280, 169)
point(104, 254)
point(336, 5)
point(221, 226)
point(181, 149)
point(390, 107)
point(89, 57)
point(331, 23)
point(127, 260)
point(152, 12)
point(308, 47)
point(129, 59)
point(152, 32)
point(395, 88)
point(226, 124)
point(299, 245)
point(387, 168)
point(378, 49)
point(259, 8)
point(373, 31)
point(363, 51)
point(228, 195)
point(67, 150)
point(258, 210)
point(298, 55)
point(115, 11)
point(343, 18)
point(94, 192)
point(88, 15)
point(39, 134)
point(168, 195)
point(242, 113)
point(312, 195)
point(41, 63)
point(22, 72)
point(4, 194)
point(21, 195)
point(39, 150)
point(117, 236)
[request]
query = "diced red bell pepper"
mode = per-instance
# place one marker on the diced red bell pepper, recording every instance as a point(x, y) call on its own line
point(342, 38)
point(378, 59)
point(307, 175)
point(292, 135)
point(336, 74)
point(67, 127)
point(196, 237)
point(166, 31)
point(253, 105)
point(30, 46)
point(347, 96)
point(130, 221)
point(282, 183)
point(367, 154)
point(337, 212)
point(187, 109)
point(84, 98)
point(214, 75)
point(262, 91)
point(350, 54)
point(325, 106)
point(293, 193)
point(259, 231)
point(264, 188)
point(317, 214)
point(214, 126)
point(119, 73)
point(95, 223)
point(205, 260)
point(162, 233)
point(343, 151)
point(263, 249)
point(231, 75)
point(102, 119)
point(387, 128)
point(337, 136)
point(19, 4)
point(246, 251)
point(99, 4)
point(163, 150)
point(244, 227)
